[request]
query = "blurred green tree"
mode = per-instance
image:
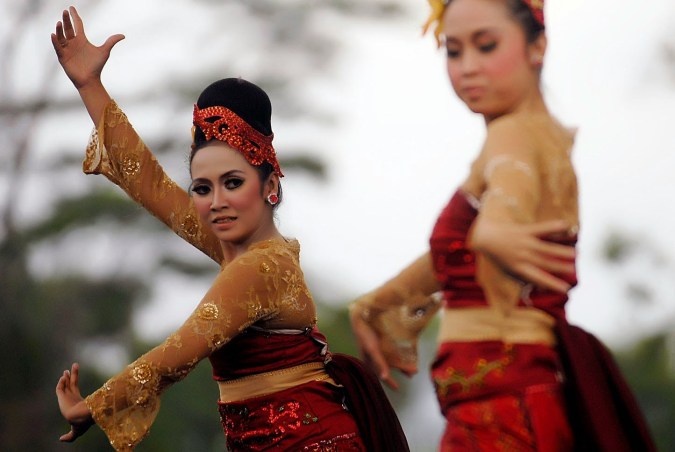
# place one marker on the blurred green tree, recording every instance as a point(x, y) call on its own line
point(649, 365)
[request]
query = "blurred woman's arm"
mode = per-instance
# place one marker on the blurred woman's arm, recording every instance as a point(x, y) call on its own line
point(388, 321)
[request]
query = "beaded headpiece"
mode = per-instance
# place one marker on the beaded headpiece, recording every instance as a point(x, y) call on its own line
point(438, 8)
point(231, 129)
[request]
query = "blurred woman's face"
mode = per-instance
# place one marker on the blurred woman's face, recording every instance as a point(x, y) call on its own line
point(228, 194)
point(491, 66)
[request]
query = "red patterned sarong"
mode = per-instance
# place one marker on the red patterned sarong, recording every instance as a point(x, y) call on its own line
point(498, 397)
point(309, 417)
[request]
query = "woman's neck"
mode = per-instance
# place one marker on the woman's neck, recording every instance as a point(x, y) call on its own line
point(531, 104)
point(232, 250)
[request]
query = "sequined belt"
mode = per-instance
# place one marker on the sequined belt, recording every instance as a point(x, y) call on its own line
point(520, 325)
point(271, 382)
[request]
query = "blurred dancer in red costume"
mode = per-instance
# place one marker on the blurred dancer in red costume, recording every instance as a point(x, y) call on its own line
point(510, 373)
point(280, 387)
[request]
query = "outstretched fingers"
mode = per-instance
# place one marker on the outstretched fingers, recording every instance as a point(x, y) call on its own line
point(68, 382)
point(548, 227)
point(68, 437)
point(61, 38)
point(74, 375)
point(375, 358)
point(544, 279)
point(63, 383)
point(58, 39)
point(370, 348)
point(557, 250)
point(555, 260)
point(68, 29)
point(77, 21)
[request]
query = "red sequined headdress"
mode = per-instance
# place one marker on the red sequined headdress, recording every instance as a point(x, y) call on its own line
point(231, 129)
point(537, 8)
point(438, 8)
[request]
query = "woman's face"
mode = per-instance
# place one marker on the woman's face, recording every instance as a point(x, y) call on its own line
point(491, 66)
point(229, 196)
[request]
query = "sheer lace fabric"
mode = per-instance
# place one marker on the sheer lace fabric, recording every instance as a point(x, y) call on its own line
point(526, 176)
point(264, 286)
point(116, 151)
point(531, 181)
point(400, 309)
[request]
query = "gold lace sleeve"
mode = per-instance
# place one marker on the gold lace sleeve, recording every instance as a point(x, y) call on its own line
point(400, 309)
point(116, 151)
point(254, 287)
point(527, 174)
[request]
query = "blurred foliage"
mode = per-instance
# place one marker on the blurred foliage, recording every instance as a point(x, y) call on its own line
point(43, 322)
point(618, 247)
point(649, 367)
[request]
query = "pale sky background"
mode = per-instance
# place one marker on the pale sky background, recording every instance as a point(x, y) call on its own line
point(403, 142)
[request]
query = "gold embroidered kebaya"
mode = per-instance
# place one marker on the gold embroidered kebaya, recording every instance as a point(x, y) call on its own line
point(263, 286)
point(532, 184)
point(115, 143)
point(400, 309)
point(241, 295)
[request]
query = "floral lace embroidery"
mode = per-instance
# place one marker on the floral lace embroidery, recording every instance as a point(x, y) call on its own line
point(400, 309)
point(117, 152)
point(251, 289)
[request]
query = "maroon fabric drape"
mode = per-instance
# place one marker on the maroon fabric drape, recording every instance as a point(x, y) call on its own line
point(369, 405)
point(603, 411)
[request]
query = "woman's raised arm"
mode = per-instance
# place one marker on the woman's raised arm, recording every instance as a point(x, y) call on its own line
point(115, 149)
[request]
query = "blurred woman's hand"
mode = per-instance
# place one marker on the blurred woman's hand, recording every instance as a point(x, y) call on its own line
point(390, 340)
point(522, 252)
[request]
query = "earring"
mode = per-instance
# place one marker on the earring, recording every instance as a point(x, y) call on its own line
point(272, 199)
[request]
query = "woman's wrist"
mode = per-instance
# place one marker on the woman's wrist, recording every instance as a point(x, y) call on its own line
point(95, 98)
point(364, 309)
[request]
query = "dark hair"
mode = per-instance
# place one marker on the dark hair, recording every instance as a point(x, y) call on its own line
point(522, 14)
point(249, 102)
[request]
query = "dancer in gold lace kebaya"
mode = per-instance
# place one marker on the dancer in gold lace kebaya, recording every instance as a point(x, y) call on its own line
point(280, 387)
point(510, 373)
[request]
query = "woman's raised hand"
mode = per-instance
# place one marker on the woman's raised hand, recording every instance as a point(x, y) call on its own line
point(521, 251)
point(72, 405)
point(81, 60)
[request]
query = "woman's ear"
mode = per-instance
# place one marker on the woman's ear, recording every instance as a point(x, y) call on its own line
point(537, 50)
point(271, 185)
